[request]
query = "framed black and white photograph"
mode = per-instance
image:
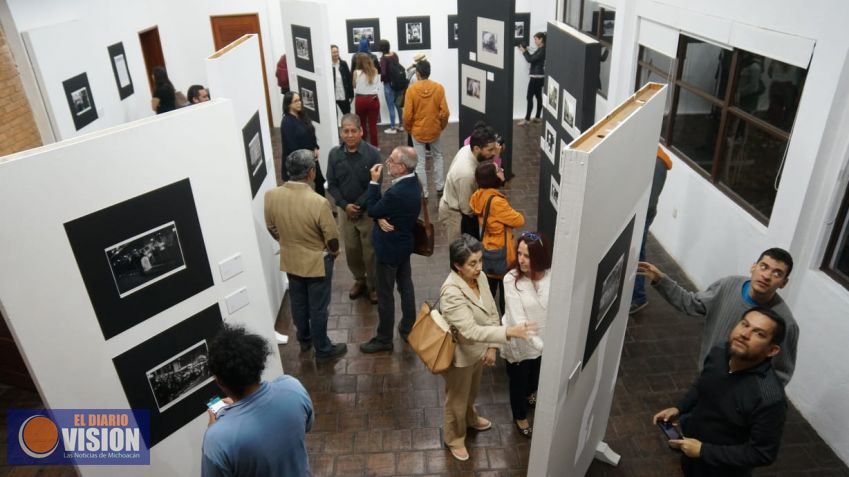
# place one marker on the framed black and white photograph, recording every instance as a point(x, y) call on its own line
point(413, 33)
point(607, 292)
point(302, 39)
point(120, 69)
point(168, 374)
point(473, 88)
point(306, 88)
point(490, 42)
point(548, 142)
point(141, 256)
point(551, 96)
point(80, 100)
point(554, 193)
point(521, 29)
point(453, 31)
point(359, 28)
point(254, 153)
point(570, 105)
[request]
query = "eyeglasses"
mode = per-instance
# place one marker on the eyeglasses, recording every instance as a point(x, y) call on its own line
point(532, 237)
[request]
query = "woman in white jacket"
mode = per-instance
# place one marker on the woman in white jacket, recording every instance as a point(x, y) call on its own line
point(526, 299)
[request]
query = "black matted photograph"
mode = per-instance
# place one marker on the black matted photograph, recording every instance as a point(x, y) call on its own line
point(306, 88)
point(413, 33)
point(359, 28)
point(302, 39)
point(551, 96)
point(607, 292)
point(254, 153)
point(146, 258)
point(547, 142)
point(168, 374)
point(570, 108)
point(453, 31)
point(522, 29)
point(121, 70)
point(80, 100)
point(141, 256)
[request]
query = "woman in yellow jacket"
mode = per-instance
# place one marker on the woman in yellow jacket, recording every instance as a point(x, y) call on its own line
point(500, 223)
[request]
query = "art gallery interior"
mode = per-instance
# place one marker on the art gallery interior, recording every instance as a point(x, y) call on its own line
point(130, 237)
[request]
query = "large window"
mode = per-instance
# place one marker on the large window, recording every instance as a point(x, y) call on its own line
point(729, 114)
point(836, 262)
point(598, 22)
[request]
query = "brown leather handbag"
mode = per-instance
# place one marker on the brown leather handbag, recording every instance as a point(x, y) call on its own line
point(433, 340)
point(423, 234)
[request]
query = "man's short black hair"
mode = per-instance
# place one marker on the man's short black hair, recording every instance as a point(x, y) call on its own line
point(780, 255)
point(482, 136)
point(423, 69)
point(237, 358)
point(780, 325)
point(194, 92)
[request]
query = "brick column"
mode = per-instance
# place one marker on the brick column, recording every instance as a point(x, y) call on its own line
point(19, 131)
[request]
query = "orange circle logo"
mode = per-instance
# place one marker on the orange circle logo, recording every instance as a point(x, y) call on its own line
point(38, 436)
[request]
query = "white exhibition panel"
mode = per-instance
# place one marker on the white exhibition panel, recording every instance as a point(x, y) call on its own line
point(313, 15)
point(42, 293)
point(604, 187)
point(236, 74)
point(61, 51)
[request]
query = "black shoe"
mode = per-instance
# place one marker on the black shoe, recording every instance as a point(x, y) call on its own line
point(375, 345)
point(336, 351)
point(305, 346)
point(526, 432)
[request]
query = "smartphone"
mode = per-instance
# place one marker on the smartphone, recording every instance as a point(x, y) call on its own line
point(216, 405)
point(669, 430)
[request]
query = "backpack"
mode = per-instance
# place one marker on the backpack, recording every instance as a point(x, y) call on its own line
point(397, 75)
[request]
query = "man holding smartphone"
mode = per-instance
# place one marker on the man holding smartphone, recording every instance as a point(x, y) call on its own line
point(733, 415)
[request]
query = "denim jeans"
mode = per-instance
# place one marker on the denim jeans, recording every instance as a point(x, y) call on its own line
point(387, 277)
point(389, 94)
point(438, 163)
point(659, 179)
point(310, 299)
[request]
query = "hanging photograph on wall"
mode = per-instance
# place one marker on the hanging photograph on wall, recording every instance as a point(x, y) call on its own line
point(80, 100)
point(521, 29)
point(607, 294)
point(309, 100)
point(359, 28)
point(168, 375)
point(490, 42)
point(413, 33)
point(254, 152)
point(473, 88)
point(570, 107)
point(548, 141)
point(551, 96)
point(141, 256)
point(453, 31)
point(554, 193)
point(120, 69)
point(302, 39)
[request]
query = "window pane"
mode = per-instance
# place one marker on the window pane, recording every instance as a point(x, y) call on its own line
point(604, 70)
point(645, 76)
point(769, 89)
point(751, 160)
point(695, 129)
point(706, 67)
point(656, 59)
point(839, 260)
point(572, 14)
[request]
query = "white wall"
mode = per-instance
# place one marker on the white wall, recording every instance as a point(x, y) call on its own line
point(710, 236)
point(60, 337)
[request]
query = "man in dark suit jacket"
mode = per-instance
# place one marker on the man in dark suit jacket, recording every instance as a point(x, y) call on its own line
point(395, 214)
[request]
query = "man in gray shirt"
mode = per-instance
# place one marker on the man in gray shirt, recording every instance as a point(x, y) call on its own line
point(726, 299)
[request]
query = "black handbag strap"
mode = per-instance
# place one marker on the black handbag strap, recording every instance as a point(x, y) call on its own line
point(486, 216)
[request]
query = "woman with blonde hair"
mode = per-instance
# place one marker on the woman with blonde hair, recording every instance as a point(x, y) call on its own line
point(367, 87)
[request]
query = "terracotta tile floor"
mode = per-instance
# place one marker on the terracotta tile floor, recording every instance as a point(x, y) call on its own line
point(380, 415)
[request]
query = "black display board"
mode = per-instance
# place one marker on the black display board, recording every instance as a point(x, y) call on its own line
point(123, 80)
point(573, 74)
point(489, 47)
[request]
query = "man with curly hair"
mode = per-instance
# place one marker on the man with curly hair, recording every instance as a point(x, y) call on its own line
point(262, 430)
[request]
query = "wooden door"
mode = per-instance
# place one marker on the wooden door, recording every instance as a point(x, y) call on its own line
point(152, 52)
point(228, 28)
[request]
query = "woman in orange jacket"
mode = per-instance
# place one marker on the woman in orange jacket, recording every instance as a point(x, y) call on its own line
point(502, 219)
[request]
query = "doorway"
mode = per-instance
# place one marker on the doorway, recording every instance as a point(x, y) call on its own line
point(152, 52)
point(228, 28)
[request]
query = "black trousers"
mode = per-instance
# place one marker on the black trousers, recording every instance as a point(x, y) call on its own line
point(344, 106)
point(534, 91)
point(524, 381)
point(387, 277)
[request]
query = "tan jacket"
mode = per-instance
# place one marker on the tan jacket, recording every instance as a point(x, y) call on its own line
point(302, 222)
point(475, 319)
point(425, 110)
point(460, 181)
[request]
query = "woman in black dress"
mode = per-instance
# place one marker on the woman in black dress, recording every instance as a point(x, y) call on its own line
point(298, 132)
point(164, 96)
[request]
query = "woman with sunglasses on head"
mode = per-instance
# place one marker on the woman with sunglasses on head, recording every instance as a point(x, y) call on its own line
point(497, 232)
point(526, 298)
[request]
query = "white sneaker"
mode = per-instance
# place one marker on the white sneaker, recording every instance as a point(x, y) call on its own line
point(523, 122)
point(390, 131)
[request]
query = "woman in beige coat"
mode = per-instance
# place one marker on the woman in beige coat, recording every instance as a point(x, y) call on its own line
point(467, 304)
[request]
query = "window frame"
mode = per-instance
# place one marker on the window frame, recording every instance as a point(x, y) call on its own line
point(599, 37)
point(841, 222)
